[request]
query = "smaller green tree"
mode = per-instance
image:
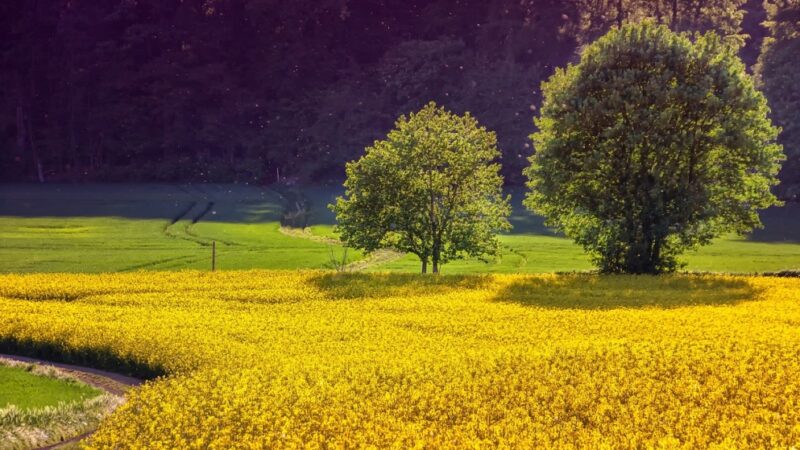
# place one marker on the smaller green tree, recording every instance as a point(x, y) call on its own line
point(430, 188)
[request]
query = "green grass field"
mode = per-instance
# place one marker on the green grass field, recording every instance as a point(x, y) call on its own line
point(123, 227)
point(99, 228)
point(26, 390)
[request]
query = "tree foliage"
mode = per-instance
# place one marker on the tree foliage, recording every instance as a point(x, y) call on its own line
point(723, 16)
point(244, 90)
point(650, 145)
point(430, 188)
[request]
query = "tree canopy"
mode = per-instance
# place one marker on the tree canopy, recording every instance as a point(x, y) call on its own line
point(430, 188)
point(652, 144)
point(723, 16)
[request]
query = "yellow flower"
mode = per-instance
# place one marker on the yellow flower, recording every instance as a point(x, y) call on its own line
point(260, 359)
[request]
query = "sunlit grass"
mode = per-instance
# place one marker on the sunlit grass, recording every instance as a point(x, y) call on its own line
point(99, 228)
point(26, 390)
point(75, 229)
point(41, 405)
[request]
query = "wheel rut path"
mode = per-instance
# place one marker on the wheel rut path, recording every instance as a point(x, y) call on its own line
point(110, 382)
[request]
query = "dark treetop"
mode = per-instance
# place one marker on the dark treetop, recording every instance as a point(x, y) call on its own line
point(256, 90)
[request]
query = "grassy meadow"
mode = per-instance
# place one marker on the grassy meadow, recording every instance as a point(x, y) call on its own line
point(21, 387)
point(120, 228)
point(315, 359)
point(43, 406)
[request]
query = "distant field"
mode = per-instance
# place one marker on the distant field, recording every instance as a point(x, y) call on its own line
point(98, 228)
point(121, 227)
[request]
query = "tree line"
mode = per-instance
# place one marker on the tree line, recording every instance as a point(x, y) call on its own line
point(264, 90)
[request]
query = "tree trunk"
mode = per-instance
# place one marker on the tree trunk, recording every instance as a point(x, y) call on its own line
point(167, 151)
point(656, 255)
point(424, 266)
point(70, 154)
point(21, 136)
point(35, 152)
point(659, 17)
point(674, 22)
point(99, 150)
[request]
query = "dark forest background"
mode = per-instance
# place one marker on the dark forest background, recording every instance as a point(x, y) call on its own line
point(257, 90)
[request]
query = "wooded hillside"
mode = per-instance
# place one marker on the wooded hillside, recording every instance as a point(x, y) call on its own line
point(253, 90)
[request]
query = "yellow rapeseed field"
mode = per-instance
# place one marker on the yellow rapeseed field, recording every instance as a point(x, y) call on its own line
point(311, 359)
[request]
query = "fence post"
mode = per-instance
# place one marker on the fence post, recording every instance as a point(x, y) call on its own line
point(213, 255)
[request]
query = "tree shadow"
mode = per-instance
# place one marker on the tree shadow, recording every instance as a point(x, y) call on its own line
point(366, 285)
point(170, 202)
point(602, 292)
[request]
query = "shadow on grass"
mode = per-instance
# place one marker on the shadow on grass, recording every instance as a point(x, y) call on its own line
point(591, 291)
point(149, 201)
point(363, 285)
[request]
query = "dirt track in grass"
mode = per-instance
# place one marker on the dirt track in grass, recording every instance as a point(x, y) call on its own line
point(110, 382)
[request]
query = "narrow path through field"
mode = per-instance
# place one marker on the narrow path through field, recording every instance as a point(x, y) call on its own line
point(110, 382)
point(376, 258)
point(113, 383)
point(197, 203)
point(305, 233)
point(181, 227)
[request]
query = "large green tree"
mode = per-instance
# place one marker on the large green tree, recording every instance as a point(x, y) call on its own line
point(430, 188)
point(650, 145)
